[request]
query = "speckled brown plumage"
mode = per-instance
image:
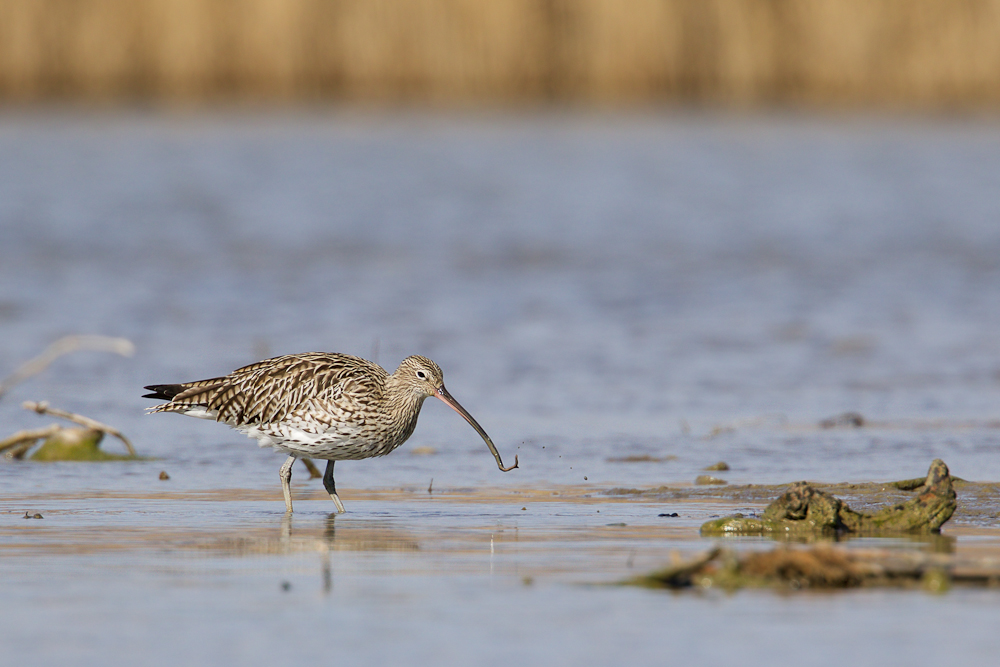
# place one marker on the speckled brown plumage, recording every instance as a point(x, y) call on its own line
point(318, 405)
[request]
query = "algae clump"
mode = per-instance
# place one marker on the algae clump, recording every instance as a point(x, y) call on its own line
point(803, 510)
point(76, 444)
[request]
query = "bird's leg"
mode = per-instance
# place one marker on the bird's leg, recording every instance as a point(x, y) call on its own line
point(314, 472)
point(331, 487)
point(285, 473)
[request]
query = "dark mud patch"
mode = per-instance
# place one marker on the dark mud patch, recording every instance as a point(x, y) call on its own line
point(824, 567)
point(641, 458)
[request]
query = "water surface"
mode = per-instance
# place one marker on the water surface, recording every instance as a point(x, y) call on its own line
point(689, 288)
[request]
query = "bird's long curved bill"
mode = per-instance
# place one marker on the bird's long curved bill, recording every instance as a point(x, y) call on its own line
point(443, 394)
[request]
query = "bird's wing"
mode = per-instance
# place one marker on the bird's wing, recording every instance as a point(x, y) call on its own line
point(274, 389)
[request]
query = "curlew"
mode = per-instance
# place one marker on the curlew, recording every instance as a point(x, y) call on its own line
point(318, 405)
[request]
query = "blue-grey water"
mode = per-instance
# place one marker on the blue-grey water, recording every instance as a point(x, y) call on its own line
point(693, 288)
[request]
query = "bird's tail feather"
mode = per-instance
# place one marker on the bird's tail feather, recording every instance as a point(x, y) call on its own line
point(163, 392)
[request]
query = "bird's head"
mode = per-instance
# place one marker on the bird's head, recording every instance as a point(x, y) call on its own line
point(424, 378)
point(421, 376)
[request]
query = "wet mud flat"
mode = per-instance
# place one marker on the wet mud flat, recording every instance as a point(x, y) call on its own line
point(572, 533)
point(569, 534)
point(456, 576)
point(238, 522)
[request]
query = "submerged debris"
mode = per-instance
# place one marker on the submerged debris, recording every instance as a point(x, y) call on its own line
point(88, 423)
point(18, 444)
point(721, 465)
point(60, 443)
point(805, 510)
point(75, 444)
point(823, 567)
point(844, 420)
point(702, 480)
point(641, 458)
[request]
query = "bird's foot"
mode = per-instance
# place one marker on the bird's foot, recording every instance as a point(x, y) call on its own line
point(340, 505)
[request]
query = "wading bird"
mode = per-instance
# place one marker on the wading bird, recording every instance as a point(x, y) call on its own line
point(318, 405)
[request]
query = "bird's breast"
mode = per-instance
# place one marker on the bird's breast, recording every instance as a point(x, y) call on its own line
point(360, 438)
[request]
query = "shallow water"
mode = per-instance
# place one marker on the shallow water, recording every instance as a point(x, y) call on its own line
point(459, 579)
point(690, 288)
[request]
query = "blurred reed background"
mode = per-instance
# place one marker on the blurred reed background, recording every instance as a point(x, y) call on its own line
point(914, 53)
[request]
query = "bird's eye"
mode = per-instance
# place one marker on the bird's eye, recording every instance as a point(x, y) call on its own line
point(421, 375)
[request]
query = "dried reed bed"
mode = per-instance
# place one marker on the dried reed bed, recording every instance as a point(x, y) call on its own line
point(925, 53)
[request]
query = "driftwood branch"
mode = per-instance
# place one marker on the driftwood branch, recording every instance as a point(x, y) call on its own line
point(44, 409)
point(65, 345)
point(17, 445)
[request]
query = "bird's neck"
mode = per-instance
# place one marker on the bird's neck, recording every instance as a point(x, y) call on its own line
point(404, 405)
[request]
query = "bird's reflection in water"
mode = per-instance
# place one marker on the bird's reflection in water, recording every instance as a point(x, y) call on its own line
point(328, 537)
point(297, 534)
point(331, 528)
point(286, 530)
